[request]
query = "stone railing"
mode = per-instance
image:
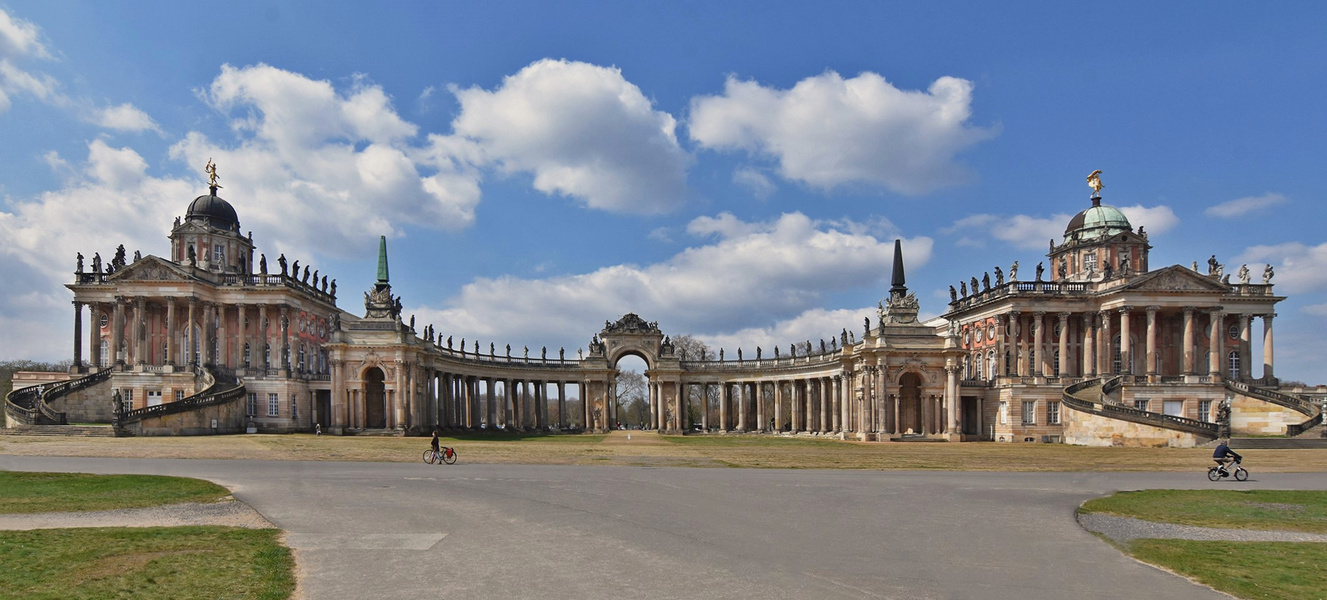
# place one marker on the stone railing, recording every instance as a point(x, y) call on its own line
point(1298, 404)
point(216, 391)
point(1078, 397)
point(29, 405)
point(277, 280)
point(1024, 288)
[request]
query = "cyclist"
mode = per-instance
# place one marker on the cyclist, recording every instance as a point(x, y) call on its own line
point(1223, 454)
point(434, 444)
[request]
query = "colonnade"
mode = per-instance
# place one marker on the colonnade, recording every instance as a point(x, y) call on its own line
point(1087, 344)
point(461, 401)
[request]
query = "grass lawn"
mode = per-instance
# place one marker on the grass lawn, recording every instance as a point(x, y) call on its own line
point(148, 563)
point(1271, 570)
point(1288, 510)
point(70, 492)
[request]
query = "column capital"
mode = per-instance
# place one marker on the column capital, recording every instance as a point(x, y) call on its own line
point(1039, 314)
point(1268, 317)
point(1126, 309)
point(1064, 315)
point(1153, 309)
point(1188, 311)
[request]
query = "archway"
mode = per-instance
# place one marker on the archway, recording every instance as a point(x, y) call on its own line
point(375, 399)
point(910, 403)
point(631, 393)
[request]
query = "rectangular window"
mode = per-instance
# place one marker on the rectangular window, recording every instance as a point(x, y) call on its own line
point(1090, 262)
point(1174, 408)
point(1205, 411)
point(1053, 413)
point(1140, 404)
point(218, 253)
point(179, 395)
point(127, 399)
point(253, 404)
point(273, 405)
point(1030, 412)
point(294, 406)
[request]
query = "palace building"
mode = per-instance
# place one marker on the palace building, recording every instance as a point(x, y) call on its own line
point(1102, 349)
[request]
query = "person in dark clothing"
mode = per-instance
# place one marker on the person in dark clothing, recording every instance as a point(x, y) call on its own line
point(434, 443)
point(1223, 454)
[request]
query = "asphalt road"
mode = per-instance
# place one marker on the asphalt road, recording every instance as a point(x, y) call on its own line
point(401, 530)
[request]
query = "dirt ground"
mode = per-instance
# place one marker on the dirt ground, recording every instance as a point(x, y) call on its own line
point(651, 449)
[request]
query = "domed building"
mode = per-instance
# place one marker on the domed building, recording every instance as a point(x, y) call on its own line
point(1093, 346)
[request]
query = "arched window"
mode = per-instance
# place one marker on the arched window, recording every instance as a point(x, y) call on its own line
point(198, 345)
point(1233, 361)
point(1117, 363)
point(1032, 361)
point(977, 366)
point(990, 360)
point(301, 357)
point(105, 358)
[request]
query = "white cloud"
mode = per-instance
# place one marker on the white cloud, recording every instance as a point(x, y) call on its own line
point(1299, 268)
point(1155, 219)
point(1242, 206)
point(750, 276)
point(1032, 233)
point(828, 131)
point(813, 325)
point(755, 181)
point(20, 38)
point(582, 131)
point(125, 117)
point(1317, 310)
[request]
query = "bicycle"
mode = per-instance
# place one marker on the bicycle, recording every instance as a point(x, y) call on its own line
point(1218, 471)
point(443, 455)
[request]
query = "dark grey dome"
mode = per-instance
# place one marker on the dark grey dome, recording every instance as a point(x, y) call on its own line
point(214, 211)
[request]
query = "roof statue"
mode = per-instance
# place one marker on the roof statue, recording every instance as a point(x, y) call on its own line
point(1094, 182)
point(211, 170)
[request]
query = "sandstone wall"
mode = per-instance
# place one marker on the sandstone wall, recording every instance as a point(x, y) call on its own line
point(1087, 429)
point(1251, 416)
point(229, 418)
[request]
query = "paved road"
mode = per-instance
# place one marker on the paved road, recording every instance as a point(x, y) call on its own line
point(501, 531)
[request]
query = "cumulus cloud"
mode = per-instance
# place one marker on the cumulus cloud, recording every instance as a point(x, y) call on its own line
point(755, 181)
point(813, 325)
point(1242, 206)
point(747, 275)
point(1030, 232)
point(1299, 268)
point(582, 131)
point(829, 131)
point(126, 117)
point(20, 38)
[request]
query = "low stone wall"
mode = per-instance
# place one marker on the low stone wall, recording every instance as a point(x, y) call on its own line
point(1085, 429)
point(1251, 416)
point(229, 419)
point(89, 405)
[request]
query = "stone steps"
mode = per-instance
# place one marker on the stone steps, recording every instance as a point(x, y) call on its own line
point(61, 430)
point(1254, 443)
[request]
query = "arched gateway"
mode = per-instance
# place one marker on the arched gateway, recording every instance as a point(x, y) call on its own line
point(1033, 359)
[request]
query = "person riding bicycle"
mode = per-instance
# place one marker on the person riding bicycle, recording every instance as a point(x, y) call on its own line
point(1224, 455)
point(434, 443)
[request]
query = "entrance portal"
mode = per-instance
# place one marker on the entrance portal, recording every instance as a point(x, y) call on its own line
point(910, 403)
point(375, 400)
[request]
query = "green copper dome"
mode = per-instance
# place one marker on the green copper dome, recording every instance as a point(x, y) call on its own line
point(1098, 221)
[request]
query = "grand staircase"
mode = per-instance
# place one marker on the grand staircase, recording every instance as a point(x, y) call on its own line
point(31, 405)
point(219, 387)
point(1094, 397)
point(1298, 404)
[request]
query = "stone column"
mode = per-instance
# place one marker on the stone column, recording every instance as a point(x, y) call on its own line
point(260, 351)
point(1267, 361)
point(1188, 340)
point(1063, 340)
point(117, 332)
point(778, 405)
point(1001, 345)
point(1214, 345)
point(951, 398)
point(680, 406)
point(1151, 357)
point(78, 337)
point(94, 323)
point(1015, 344)
point(1246, 350)
point(760, 407)
point(808, 406)
point(1126, 347)
point(191, 334)
point(139, 329)
point(836, 387)
point(562, 405)
point(825, 409)
point(1039, 350)
point(491, 410)
point(1106, 354)
point(794, 405)
point(724, 397)
point(1089, 353)
point(285, 341)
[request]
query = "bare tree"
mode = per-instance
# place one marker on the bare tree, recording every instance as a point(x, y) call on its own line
point(699, 398)
point(633, 404)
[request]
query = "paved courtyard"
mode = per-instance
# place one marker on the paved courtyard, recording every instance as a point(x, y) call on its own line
point(374, 530)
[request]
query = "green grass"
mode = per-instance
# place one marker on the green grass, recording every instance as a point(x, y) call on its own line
point(1289, 510)
point(147, 563)
point(22, 492)
point(1261, 570)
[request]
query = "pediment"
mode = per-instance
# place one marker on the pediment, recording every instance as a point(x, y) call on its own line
point(1175, 279)
point(151, 268)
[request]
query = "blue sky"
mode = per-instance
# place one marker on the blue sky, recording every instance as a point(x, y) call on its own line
point(737, 172)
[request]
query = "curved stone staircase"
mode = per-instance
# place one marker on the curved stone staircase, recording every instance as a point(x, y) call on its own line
point(218, 388)
point(1298, 404)
point(1093, 396)
point(30, 406)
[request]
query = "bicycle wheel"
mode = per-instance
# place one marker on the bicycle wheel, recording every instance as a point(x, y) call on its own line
point(429, 457)
point(1241, 474)
point(449, 456)
point(1213, 474)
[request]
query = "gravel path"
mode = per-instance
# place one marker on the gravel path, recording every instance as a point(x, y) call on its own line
point(1123, 529)
point(231, 513)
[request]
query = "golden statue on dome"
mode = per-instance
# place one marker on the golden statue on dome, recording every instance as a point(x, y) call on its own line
point(211, 170)
point(1094, 182)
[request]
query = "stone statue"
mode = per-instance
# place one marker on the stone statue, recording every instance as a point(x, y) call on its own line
point(463, 346)
point(262, 264)
point(333, 288)
point(1013, 271)
point(834, 344)
point(999, 276)
point(80, 263)
point(477, 348)
point(211, 170)
point(527, 353)
point(867, 321)
point(193, 257)
point(118, 261)
point(1243, 273)
point(562, 353)
point(324, 284)
point(315, 278)
point(281, 260)
point(843, 337)
point(792, 350)
point(1107, 271)
point(294, 270)
point(822, 346)
point(953, 295)
point(963, 287)
point(1094, 182)
point(1041, 270)
point(96, 262)
point(852, 337)
point(305, 279)
point(1267, 275)
point(412, 322)
point(1141, 233)
point(1053, 244)
point(1062, 270)
point(720, 354)
point(1124, 265)
point(739, 354)
point(1195, 266)
point(177, 222)
point(449, 342)
point(985, 282)
point(758, 352)
point(138, 255)
point(508, 350)
point(975, 287)
point(1226, 279)
point(1212, 265)
point(580, 354)
point(776, 353)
